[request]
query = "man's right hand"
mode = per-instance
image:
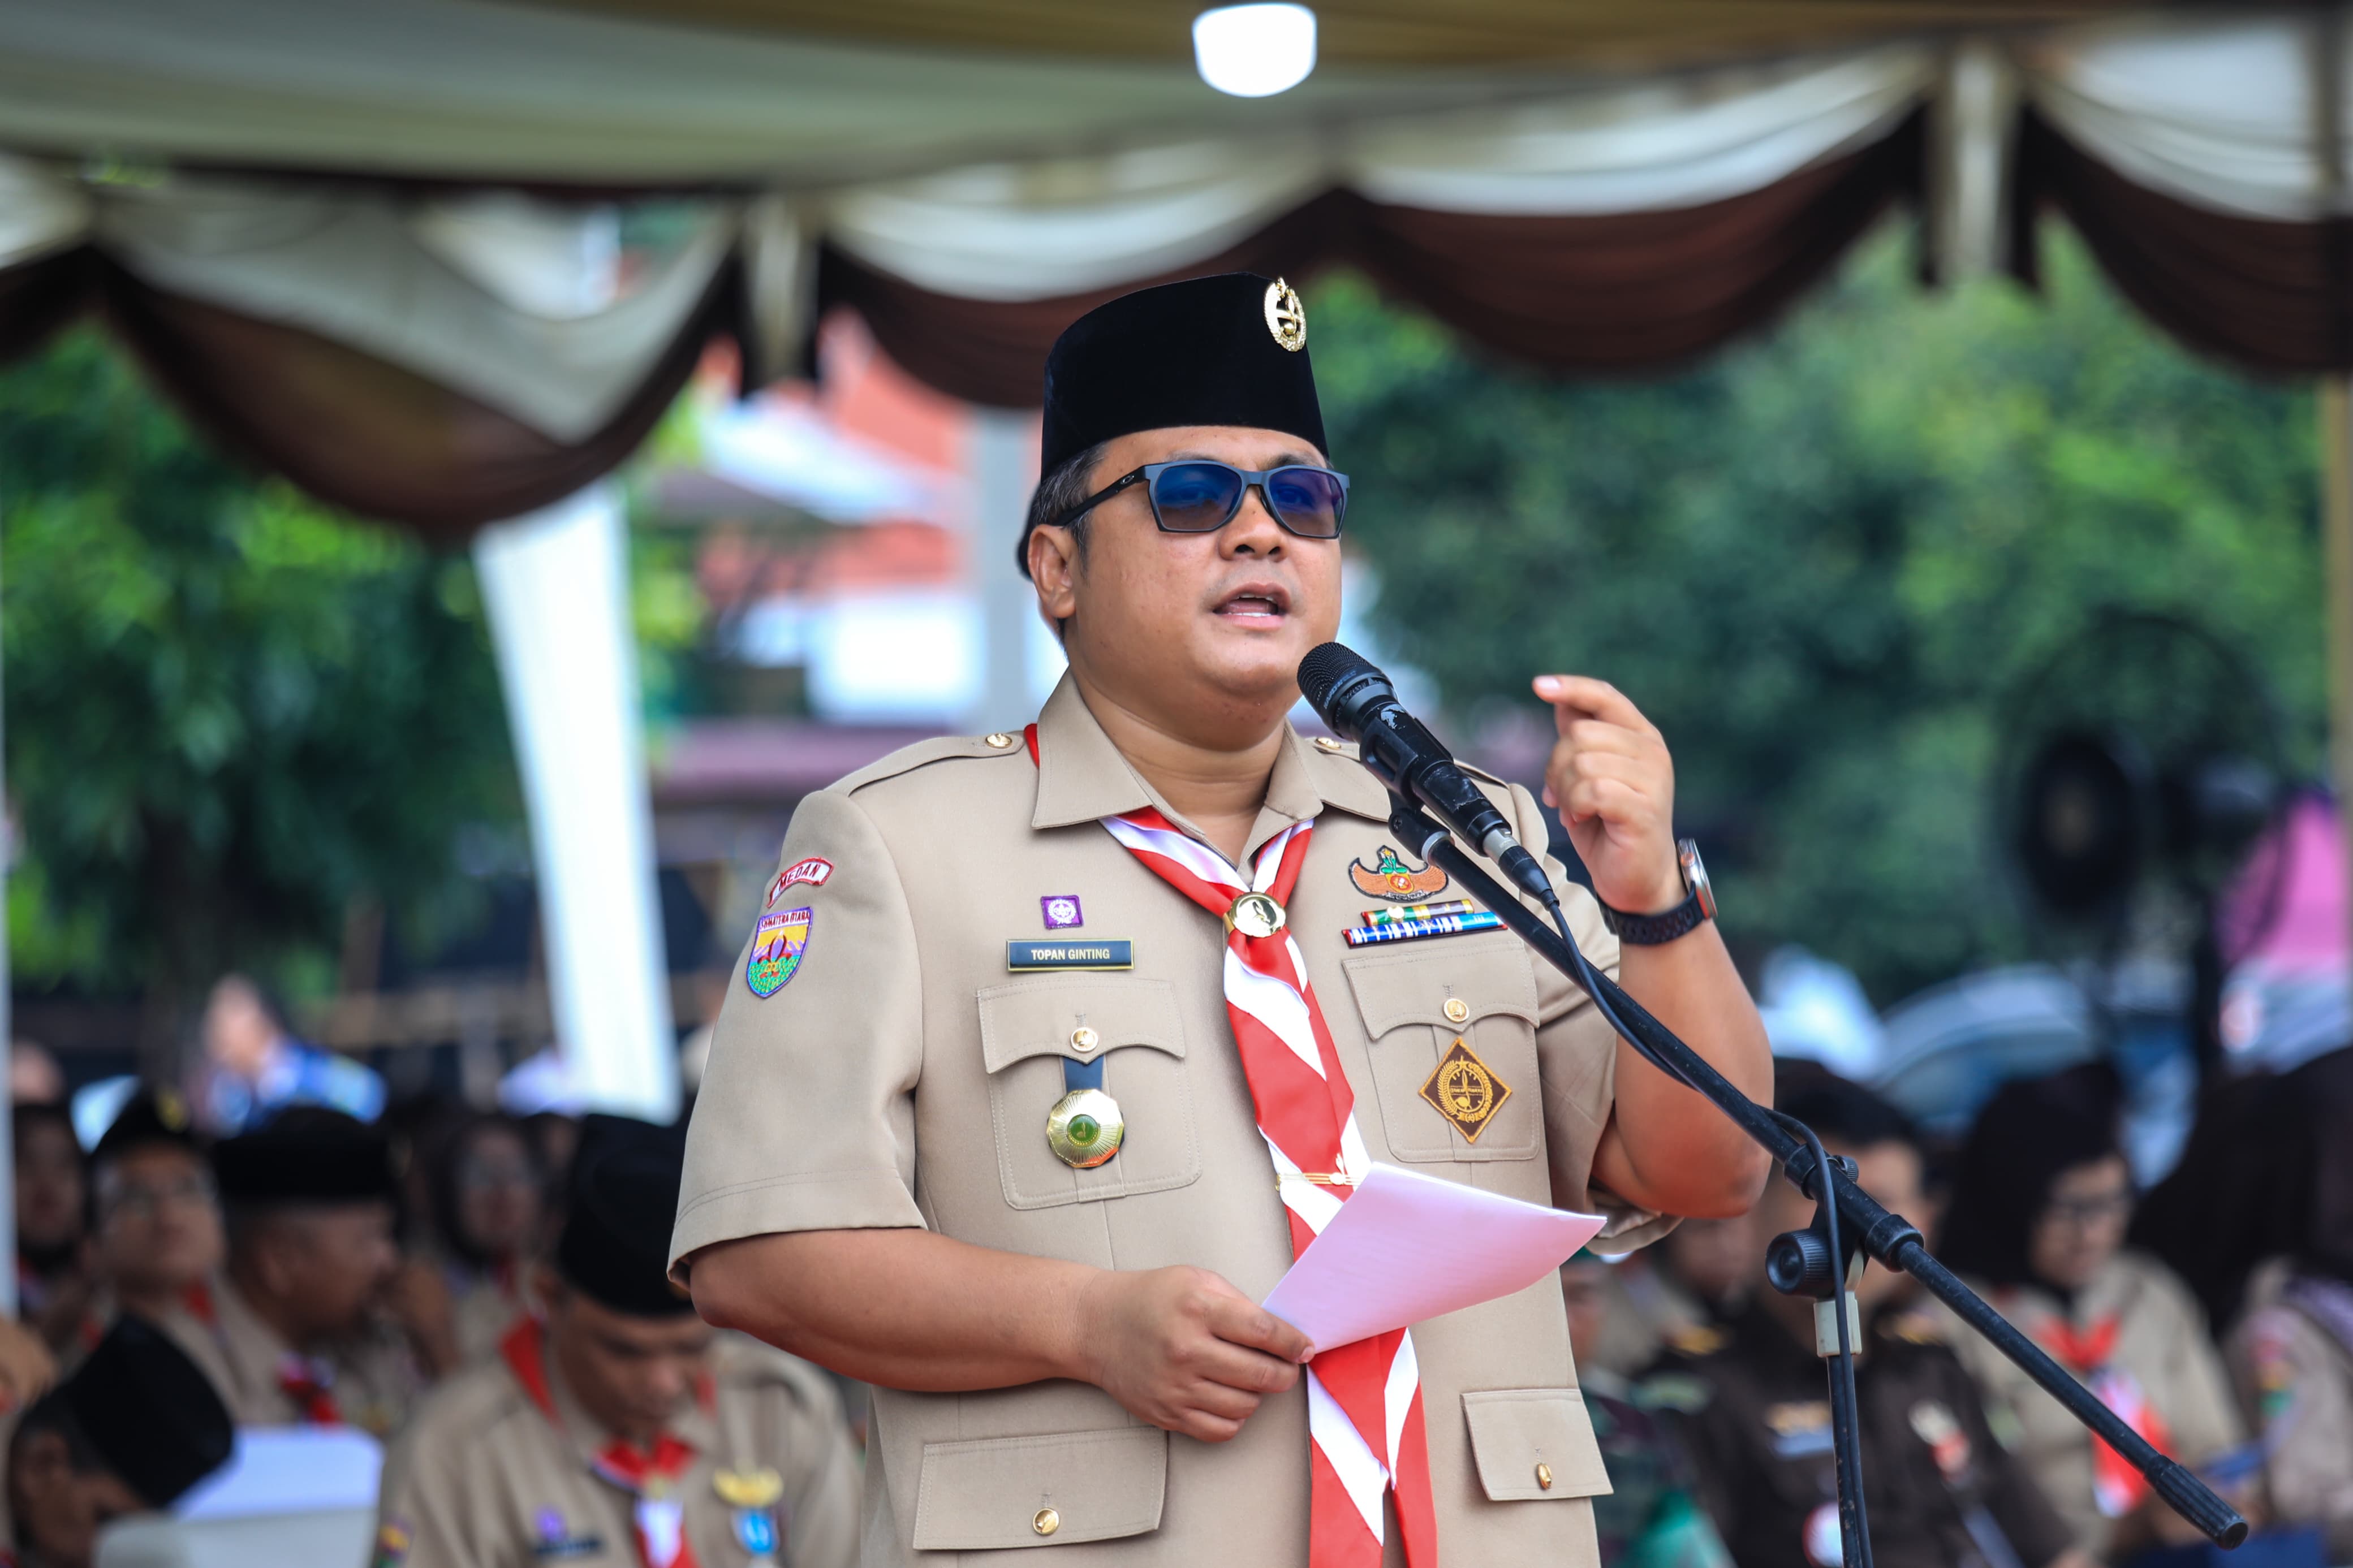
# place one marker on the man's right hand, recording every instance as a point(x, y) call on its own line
point(1186, 1350)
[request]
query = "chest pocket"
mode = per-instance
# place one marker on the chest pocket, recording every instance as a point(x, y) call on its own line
point(1439, 1103)
point(1028, 1028)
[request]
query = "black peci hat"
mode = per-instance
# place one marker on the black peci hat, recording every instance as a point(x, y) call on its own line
point(615, 1248)
point(146, 1410)
point(321, 1157)
point(150, 1117)
point(1228, 350)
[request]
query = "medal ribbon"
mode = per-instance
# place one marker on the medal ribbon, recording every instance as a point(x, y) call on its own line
point(2116, 1487)
point(1365, 1419)
point(648, 1475)
point(311, 1386)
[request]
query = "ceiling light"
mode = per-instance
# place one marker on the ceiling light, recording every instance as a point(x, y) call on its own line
point(1254, 51)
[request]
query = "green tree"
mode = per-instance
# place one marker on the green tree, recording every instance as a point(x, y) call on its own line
point(230, 712)
point(1822, 560)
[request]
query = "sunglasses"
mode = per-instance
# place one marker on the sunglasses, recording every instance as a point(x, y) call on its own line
point(1196, 495)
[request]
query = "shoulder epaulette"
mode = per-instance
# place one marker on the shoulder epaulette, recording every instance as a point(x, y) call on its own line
point(1684, 1392)
point(1695, 1340)
point(1915, 1329)
point(922, 753)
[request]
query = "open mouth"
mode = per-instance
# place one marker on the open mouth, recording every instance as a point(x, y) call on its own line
point(1261, 603)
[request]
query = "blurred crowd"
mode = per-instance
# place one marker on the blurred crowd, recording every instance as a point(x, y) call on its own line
point(2213, 1314)
point(270, 1246)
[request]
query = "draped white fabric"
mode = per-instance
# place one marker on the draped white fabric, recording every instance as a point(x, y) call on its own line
point(2224, 112)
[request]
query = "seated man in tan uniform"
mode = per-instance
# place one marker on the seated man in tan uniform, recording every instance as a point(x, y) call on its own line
point(622, 1430)
point(156, 1225)
point(1051, 1052)
point(298, 1332)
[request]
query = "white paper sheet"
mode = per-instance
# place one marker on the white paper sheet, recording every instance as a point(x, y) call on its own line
point(1408, 1247)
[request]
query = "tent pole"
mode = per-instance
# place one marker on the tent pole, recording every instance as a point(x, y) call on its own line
point(7, 1087)
point(2337, 531)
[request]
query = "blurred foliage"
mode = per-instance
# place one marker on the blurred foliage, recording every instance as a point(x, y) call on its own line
point(230, 712)
point(1824, 560)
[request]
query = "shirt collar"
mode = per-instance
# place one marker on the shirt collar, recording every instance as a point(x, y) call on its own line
point(1082, 776)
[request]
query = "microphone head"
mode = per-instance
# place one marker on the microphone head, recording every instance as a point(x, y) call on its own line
point(1337, 683)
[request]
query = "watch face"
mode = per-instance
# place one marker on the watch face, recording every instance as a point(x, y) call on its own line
point(1695, 877)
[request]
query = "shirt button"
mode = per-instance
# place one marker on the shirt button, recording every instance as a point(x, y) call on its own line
point(1326, 743)
point(1543, 1477)
point(1045, 1522)
point(1086, 1039)
point(1000, 741)
point(1457, 1010)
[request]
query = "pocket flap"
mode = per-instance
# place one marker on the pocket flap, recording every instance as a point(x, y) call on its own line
point(1026, 1018)
point(1520, 1436)
point(1050, 1491)
point(1413, 987)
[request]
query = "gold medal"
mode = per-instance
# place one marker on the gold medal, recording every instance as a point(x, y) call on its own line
point(1256, 915)
point(748, 1488)
point(1084, 1128)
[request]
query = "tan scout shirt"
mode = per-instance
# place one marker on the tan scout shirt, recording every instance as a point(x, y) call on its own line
point(902, 1077)
point(375, 1378)
point(483, 1479)
point(2295, 1380)
point(2161, 1340)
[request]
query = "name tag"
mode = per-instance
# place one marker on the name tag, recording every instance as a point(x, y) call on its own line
point(1021, 956)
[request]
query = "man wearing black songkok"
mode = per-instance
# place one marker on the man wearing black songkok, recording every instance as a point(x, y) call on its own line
point(1055, 1045)
point(620, 1428)
point(300, 1319)
point(135, 1426)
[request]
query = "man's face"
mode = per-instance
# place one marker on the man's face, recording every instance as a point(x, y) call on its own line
point(48, 1185)
point(1200, 634)
point(497, 1193)
point(633, 1374)
point(159, 1226)
point(239, 1034)
point(1890, 1172)
point(59, 1510)
point(329, 1264)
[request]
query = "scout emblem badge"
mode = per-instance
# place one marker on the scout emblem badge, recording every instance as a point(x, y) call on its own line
point(777, 943)
point(1286, 318)
point(1061, 911)
point(1463, 1090)
point(1390, 878)
point(753, 1494)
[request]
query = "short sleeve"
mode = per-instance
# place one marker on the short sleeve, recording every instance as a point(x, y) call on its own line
point(805, 1120)
point(1578, 1052)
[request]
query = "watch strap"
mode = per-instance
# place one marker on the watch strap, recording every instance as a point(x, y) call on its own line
point(1654, 930)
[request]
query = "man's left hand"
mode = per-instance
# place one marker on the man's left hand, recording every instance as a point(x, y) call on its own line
point(1614, 785)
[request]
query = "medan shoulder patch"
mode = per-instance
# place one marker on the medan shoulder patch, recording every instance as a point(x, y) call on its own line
point(779, 942)
point(813, 871)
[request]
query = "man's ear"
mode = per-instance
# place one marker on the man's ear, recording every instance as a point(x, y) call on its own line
point(1053, 570)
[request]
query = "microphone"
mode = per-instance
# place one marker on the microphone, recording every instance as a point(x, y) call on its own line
point(1360, 705)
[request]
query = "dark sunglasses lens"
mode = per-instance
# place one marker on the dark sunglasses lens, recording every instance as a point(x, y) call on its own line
point(1195, 498)
point(1308, 500)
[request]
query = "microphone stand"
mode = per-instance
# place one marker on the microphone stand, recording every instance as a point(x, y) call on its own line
point(1824, 1259)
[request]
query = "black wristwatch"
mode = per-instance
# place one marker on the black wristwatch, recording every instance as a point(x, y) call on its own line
point(1698, 905)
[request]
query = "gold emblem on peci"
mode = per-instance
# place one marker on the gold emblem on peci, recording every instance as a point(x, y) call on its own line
point(1286, 318)
point(1465, 1092)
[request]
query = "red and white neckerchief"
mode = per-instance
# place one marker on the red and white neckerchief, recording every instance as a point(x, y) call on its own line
point(310, 1383)
point(650, 1476)
point(2088, 1353)
point(1365, 1416)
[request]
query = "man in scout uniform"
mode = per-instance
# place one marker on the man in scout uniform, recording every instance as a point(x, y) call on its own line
point(620, 1429)
point(299, 1335)
point(1052, 1049)
point(157, 1231)
point(135, 1426)
point(1750, 1401)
